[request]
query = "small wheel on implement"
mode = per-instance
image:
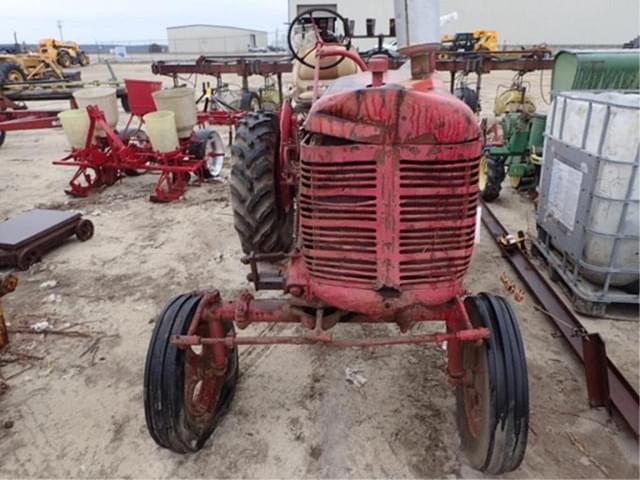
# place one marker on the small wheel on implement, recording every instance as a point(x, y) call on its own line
point(493, 400)
point(136, 139)
point(491, 176)
point(184, 397)
point(210, 148)
point(28, 257)
point(84, 230)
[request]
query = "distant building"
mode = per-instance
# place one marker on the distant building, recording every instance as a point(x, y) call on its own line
point(555, 22)
point(212, 39)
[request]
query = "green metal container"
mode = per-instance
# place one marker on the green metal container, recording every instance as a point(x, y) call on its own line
point(596, 70)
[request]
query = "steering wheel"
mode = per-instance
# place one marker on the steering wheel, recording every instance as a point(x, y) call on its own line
point(346, 38)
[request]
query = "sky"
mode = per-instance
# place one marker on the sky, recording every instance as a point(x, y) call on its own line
point(91, 21)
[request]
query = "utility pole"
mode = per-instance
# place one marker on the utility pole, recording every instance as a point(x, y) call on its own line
point(60, 29)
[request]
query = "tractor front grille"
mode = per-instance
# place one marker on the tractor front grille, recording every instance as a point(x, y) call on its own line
point(338, 215)
point(374, 216)
point(437, 229)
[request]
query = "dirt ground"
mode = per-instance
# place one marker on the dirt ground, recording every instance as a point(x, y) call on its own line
point(78, 411)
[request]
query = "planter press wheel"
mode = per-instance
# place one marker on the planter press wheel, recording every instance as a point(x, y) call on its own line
point(184, 399)
point(135, 139)
point(84, 230)
point(210, 148)
point(493, 401)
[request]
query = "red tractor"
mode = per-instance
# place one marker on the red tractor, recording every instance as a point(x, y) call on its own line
point(365, 197)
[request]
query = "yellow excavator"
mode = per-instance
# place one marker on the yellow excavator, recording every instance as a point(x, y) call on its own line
point(63, 53)
point(480, 40)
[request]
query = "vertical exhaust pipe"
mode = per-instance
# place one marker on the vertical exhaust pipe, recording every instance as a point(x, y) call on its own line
point(418, 33)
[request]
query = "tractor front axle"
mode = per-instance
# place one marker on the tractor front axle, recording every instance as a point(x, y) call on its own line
point(328, 340)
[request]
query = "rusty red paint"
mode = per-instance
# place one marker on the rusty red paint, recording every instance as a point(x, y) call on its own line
point(384, 171)
point(12, 120)
point(106, 160)
point(329, 341)
point(387, 218)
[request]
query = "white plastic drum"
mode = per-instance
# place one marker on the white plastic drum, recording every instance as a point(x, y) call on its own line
point(75, 124)
point(102, 97)
point(181, 101)
point(161, 128)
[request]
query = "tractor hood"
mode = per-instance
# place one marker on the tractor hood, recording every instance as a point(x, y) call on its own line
point(401, 111)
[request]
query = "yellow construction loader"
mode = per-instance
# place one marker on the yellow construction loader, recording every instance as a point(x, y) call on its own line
point(480, 40)
point(63, 53)
point(17, 66)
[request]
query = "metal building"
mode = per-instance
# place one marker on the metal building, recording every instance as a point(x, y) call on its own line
point(518, 22)
point(214, 39)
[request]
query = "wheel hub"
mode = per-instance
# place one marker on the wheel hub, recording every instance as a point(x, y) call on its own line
point(203, 380)
point(474, 386)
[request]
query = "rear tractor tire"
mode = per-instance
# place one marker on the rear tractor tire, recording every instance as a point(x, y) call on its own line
point(493, 401)
point(492, 174)
point(184, 397)
point(262, 225)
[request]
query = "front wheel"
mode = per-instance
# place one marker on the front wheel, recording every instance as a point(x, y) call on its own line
point(84, 230)
point(493, 400)
point(64, 59)
point(184, 396)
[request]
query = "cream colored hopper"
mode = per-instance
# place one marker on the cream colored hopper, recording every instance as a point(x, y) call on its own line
point(75, 124)
point(161, 128)
point(180, 101)
point(102, 97)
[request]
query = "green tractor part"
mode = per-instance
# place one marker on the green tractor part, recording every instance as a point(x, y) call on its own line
point(518, 150)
